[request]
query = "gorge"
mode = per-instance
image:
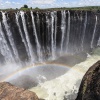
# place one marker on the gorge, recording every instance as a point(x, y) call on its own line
point(43, 39)
point(40, 36)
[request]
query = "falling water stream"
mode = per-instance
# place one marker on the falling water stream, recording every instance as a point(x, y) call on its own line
point(84, 30)
point(4, 46)
point(68, 31)
point(37, 41)
point(31, 57)
point(9, 34)
point(48, 52)
point(94, 32)
point(23, 39)
point(63, 27)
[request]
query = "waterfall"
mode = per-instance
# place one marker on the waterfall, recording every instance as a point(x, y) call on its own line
point(23, 39)
point(4, 48)
point(63, 28)
point(39, 53)
point(59, 38)
point(46, 35)
point(94, 32)
point(68, 31)
point(55, 32)
point(84, 29)
point(52, 36)
point(98, 44)
point(10, 37)
point(31, 56)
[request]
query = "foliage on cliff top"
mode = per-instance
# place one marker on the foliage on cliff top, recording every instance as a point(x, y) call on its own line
point(86, 8)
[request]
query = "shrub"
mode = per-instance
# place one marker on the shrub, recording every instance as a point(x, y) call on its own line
point(25, 6)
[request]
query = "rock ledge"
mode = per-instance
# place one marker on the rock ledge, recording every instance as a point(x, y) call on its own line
point(11, 92)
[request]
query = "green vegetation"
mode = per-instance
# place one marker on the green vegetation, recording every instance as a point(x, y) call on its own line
point(87, 8)
point(26, 8)
point(31, 8)
point(9, 9)
point(37, 8)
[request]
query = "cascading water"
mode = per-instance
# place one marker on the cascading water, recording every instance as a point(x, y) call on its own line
point(63, 27)
point(98, 42)
point(48, 32)
point(23, 39)
point(10, 38)
point(37, 41)
point(84, 30)
point(48, 39)
point(68, 31)
point(94, 32)
point(4, 48)
point(51, 40)
point(55, 32)
point(52, 36)
point(31, 56)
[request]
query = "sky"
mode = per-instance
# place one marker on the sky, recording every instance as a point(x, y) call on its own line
point(47, 3)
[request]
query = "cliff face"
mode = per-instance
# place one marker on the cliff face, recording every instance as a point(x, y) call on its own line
point(10, 92)
point(90, 85)
point(43, 35)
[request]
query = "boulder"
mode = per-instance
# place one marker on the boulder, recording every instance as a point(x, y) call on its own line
point(11, 92)
point(90, 85)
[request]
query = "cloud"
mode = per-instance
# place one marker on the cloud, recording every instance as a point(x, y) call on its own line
point(7, 2)
point(43, 2)
point(86, 3)
point(89, 2)
point(16, 3)
point(79, 3)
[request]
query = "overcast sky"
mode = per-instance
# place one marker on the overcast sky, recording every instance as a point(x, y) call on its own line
point(47, 3)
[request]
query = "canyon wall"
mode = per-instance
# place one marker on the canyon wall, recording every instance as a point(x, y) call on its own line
point(37, 36)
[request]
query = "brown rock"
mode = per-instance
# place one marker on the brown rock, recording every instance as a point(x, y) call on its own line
point(90, 85)
point(10, 92)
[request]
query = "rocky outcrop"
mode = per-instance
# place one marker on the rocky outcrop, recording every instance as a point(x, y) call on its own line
point(10, 92)
point(90, 85)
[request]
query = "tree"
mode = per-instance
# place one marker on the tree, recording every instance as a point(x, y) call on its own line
point(31, 8)
point(25, 6)
point(36, 8)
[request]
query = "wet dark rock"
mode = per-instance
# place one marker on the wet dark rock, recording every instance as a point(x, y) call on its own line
point(77, 20)
point(71, 60)
point(90, 85)
point(11, 92)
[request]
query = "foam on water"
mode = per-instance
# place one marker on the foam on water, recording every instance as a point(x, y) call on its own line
point(67, 85)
